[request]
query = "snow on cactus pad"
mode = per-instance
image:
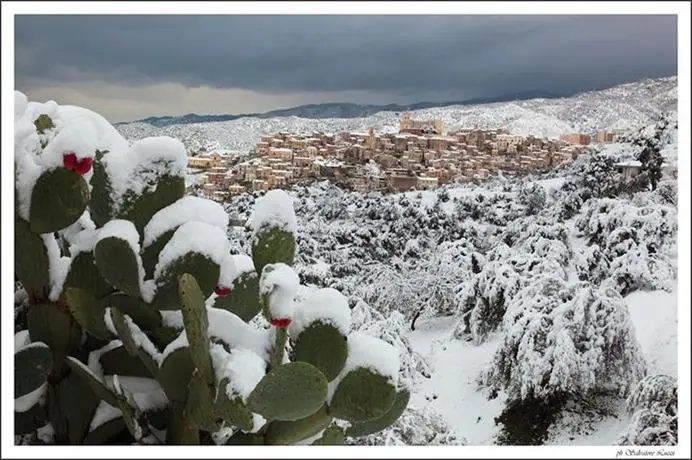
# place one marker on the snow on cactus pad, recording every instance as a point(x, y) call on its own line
point(116, 255)
point(138, 169)
point(186, 209)
point(274, 227)
point(319, 327)
point(366, 387)
point(196, 248)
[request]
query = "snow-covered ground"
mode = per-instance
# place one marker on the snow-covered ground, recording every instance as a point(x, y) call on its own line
point(452, 390)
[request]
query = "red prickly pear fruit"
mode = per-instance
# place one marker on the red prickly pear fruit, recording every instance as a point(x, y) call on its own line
point(69, 160)
point(221, 291)
point(281, 322)
point(83, 166)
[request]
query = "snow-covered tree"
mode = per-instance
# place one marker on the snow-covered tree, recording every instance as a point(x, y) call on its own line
point(563, 339)
point(653, 405)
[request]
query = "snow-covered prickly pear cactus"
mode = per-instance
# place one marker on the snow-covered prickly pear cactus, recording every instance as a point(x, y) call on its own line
point(138, 319)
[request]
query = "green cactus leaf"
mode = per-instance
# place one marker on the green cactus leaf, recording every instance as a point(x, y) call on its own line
point(30, 258)
point(98, 387)
point(245, 439)
point(332, 436)
point(180, 431)
point(273, 245)
point(53, 325)
point(139, 209)
point(131, 341)
point(29, 421)
point(42, 123)
point(150, 254)
point(175, 372)
point(58, 199)
point(196, 325)
point(141, 313)
point(84, 274)
point(100, 205)
point(118, 264)
point(199, 409)
point(88, 312)
point(289, 392)
point(362, 395)
point(202, 268)
point(373, 426)
point(323, 346)
point(32, 364)
point(79, 404)
point(104, 433)
point(119, 362)
point(232, 410)
point(288, 433)
point(243, 300)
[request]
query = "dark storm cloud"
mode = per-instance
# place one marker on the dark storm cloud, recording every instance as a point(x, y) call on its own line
point(404, 55)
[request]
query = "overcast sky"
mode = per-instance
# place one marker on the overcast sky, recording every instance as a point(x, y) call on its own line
point(129, 67)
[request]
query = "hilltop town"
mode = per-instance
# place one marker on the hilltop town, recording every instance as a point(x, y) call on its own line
point(419, 156)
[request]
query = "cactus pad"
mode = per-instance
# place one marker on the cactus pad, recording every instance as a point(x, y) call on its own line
point(30, 257)
point(85, 275)
point(196, 325)
point(58, 199)
point(88, 312)
point(118, 264)
point(373, 426)
point(362, 395)
point(232, 410)
point(53, 325)
point(289, 392)
point(100, 205)
point(323, 346)
point(202, 268)
point(199, 408)
point(273, 245)
point(175, 372)
point(286, 433)
point(243, 300)
point(140, 209)
point(32, 365)
point(150, 254)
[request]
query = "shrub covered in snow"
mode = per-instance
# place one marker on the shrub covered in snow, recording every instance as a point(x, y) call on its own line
point(630, 244)
point(654, 407)
point(563, 339)
point(141, 325)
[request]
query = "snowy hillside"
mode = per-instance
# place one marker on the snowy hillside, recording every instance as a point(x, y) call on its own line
point(620, 107)
point(539, 312)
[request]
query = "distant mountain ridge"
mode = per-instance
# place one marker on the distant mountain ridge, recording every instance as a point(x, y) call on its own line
point(340, 109)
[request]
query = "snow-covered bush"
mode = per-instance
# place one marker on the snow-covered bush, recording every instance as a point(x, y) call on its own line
point(141, 321)
point(629, 244)
point(654, 407)
point(565, 339)
point(533, 197)
point(483, 300)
